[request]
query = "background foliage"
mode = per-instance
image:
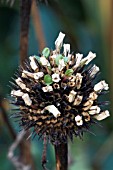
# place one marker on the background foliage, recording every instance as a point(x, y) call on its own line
point(89, 27)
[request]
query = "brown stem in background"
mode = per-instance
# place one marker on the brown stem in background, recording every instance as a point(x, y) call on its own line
point(23, 144)
point(25, 7)
point(6, 120)
point(61, 153)
point(44, 154)
point(38, 26)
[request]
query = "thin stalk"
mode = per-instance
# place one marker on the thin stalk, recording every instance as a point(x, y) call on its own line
point(61, 153)
point(6, 120)
point(25, 8)
point(38, 26)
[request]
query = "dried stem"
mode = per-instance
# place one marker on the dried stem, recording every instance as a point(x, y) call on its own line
point(6, 120)
point(61, 153)
point(38, 26)
point(25, 7)
point(44, 154)
point(24, 160)
point(15, 159)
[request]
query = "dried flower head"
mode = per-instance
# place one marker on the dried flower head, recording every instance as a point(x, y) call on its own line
point(56, 93)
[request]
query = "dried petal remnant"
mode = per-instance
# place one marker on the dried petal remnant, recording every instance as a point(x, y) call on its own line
point(56, 77)
point(52, 109)
point(33, 63)
point(27, 99)
point(17, 93)
point(47, 88)
point(102, 115)
point(102, 85)
point(66, 49)
point(79, 120)
point(78, 80)
point(72, 96)
point(59, 41)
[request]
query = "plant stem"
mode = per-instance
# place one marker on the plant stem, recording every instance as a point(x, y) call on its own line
point(38, 26)
point(25, 8)
point(6, 120)
point(61, 153)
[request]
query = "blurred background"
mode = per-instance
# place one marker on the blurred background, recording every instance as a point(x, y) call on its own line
point(88, 25)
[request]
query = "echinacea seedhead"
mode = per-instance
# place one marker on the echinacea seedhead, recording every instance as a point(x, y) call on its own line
point(56, 93)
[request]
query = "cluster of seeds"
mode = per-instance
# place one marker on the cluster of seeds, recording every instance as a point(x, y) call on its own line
point(56, 94)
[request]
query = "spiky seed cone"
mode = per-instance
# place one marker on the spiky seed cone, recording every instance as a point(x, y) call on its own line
point(56, 94)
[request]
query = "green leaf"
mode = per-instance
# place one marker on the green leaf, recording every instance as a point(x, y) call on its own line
point(58, 58)
point(48, 79)
point(69, 72)
point(65, 59)
point(46, 52)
